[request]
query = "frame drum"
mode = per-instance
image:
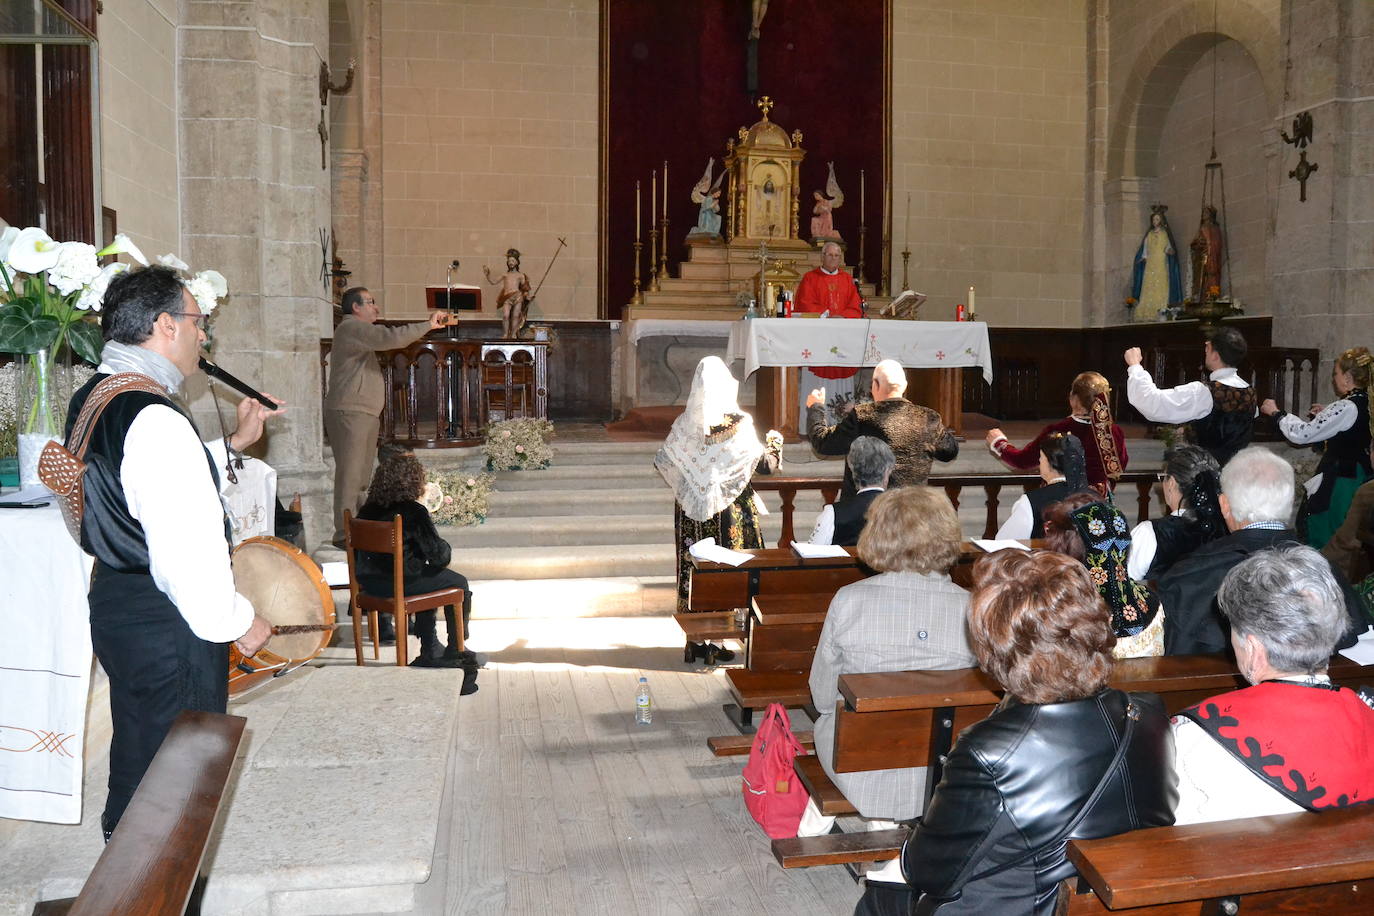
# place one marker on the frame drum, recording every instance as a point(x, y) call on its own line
point(288, 589)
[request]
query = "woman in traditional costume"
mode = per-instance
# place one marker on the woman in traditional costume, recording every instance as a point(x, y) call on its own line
point(1064, 473)
point(1343, 429)
point(708, 459)
point(1156, 281)
point(1096, 534)
point(1191, 482)
point(1090, 419)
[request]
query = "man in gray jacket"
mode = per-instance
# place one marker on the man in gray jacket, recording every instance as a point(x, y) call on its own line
point(353, 404)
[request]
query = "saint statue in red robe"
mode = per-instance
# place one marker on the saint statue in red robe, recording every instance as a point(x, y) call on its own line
point(829, 288)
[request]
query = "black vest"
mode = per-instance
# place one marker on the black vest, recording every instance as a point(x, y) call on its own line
point(1230, 425)
point(850, 515)
point(108, 532)
point(1176, 536)
point(1344, 453)
point(1042, 498)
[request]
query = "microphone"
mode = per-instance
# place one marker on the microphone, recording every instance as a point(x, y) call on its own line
point(214, 371)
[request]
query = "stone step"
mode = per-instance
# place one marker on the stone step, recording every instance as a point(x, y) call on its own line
point(608, 596)
point(567, 562)
point(641, 475)
point(533, 503)
point(574, 530)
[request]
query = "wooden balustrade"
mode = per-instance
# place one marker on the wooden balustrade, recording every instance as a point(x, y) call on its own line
point(1281, 373)
point(787, 489)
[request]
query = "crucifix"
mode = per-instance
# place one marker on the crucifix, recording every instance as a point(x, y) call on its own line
point(751, 66)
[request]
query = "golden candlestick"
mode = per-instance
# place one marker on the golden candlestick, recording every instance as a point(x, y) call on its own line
point(663, 254)
point(653, 264)
point(638, 297)
point(863, 233)
point(906, 258)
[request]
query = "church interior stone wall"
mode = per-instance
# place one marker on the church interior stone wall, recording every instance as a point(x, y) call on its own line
point(988, 138)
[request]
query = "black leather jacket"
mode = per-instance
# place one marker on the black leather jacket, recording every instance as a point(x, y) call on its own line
point(1015, 780)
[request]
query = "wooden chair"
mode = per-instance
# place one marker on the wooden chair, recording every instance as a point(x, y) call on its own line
point(385, 538)
point(506, 391)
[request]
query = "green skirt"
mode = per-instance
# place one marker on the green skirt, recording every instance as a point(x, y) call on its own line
point(1322, 525)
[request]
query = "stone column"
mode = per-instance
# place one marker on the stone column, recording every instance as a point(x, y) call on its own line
point(356, 129)
point(1323, 249)
point(253, 198)
point(1126, 202)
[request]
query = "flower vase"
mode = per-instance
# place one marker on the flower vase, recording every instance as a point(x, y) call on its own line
point(39, 414)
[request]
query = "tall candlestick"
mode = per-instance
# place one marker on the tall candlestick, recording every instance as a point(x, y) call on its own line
point(665, 188)
point(653, 199)
point(638, 208)
point(906, 235)
point(861, 197)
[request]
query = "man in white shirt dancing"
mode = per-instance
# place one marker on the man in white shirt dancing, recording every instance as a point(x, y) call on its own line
point(163, 605)
point(1220, 411)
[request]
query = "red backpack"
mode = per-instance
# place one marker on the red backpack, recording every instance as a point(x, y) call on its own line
point(773, 793)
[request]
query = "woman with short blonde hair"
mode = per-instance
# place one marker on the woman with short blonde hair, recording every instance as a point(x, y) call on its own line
point(910, 529)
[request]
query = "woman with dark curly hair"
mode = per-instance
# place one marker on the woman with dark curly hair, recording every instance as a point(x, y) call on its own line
point(397, 486)
point(1063, 756)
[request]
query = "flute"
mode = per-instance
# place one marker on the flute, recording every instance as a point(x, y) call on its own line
point(214, 371)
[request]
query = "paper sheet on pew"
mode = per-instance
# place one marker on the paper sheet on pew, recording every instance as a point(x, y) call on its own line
point(1363, 650)
point(992, 546)
point(335, 573)
point(812, 551)
point(708, 549)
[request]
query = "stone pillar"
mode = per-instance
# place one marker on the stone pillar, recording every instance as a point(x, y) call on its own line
point(356, 129)
point(1323, 249)
point(1126, 203)
point(1097, 309)
point(253, 198)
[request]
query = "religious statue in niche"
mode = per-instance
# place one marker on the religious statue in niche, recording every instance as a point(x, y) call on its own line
point(514, 298)
point(706, 195)
point(1156, 281)
point(822, 219)
point(769, 211)
point(1208, 248)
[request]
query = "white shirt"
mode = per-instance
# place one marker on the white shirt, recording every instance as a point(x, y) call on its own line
point(1021, 522)
point(1336, 418)
point(1144, 545)
point(169, 490)
point(1192, 401)
point(824, 532)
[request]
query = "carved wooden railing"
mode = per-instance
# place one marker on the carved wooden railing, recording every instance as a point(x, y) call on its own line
point(1274, 372)
point(441, 393)
point(788, 488)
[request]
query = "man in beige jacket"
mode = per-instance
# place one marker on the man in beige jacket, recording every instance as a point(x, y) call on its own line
point(353, 405)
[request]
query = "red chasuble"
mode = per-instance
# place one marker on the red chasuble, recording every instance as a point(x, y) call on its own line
point(1312, 744)
point(835, 293)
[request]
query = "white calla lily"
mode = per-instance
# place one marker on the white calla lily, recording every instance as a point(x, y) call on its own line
point(76, 267)
point(32, 251)
point(122, 244)
point(93, 296)
point(207, 287)
point(6, 240)
point(172, 261)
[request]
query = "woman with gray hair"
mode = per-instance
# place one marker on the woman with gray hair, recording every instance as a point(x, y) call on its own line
point(1292, 741)
point(870, 464)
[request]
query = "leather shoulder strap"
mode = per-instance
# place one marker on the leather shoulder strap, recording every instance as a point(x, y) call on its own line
point(100, 398)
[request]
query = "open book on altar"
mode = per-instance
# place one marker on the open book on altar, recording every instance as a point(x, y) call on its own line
point(904, 306)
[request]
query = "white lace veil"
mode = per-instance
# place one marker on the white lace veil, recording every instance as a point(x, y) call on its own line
point(706, 476)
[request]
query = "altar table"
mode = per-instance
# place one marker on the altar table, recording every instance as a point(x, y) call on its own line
point(784, 344)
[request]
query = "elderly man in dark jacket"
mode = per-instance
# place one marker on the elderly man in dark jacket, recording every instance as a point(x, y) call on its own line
point(916, 433)
point(1257, 491)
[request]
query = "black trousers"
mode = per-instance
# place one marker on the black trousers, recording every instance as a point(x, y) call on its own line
point(157, 668)
point(429, 581)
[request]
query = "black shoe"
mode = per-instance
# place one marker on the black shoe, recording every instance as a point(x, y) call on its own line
point(469, 682)
point(339, 543)
point(386, 633)
point(693, 651)
point(429, 661)
point(722, 654)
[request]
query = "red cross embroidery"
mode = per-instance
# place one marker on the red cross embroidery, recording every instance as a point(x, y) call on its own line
point(806, 354)
point(939, 354)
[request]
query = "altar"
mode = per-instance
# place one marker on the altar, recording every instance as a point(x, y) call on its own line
point(780, 346)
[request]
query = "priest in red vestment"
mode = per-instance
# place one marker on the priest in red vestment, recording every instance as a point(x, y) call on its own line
point(830, 289)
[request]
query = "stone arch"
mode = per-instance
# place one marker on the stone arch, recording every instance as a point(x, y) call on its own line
point(1164, 59)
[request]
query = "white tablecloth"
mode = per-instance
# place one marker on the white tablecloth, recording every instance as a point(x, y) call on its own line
point(859, 342)
point(641, 328)
point(45, 666)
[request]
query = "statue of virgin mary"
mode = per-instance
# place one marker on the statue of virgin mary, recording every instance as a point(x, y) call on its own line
point(1156, 281)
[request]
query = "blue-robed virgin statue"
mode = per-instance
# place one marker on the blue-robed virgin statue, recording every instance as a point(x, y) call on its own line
point(1156, 281)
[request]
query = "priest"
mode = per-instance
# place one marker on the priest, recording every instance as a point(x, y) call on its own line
point(830, 291)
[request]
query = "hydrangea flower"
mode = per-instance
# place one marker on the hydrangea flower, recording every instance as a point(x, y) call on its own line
point(75, 269)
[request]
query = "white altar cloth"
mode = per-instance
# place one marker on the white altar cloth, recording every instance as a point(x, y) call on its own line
point(45, 666)
point(641, 328)
point(857, 342)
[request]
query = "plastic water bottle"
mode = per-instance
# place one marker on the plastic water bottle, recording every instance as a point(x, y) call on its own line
point(751, 312)
point(644, 703)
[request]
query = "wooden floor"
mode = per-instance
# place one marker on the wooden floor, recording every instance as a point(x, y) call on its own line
point(558, 803)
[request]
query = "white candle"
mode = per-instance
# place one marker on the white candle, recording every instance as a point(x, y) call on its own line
point(970, 300)
point(906, 234)
point(861, 197)
point(653, 199)
point(638, 207)
point(665, 188)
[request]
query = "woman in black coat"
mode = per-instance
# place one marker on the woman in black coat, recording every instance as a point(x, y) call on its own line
point(1062, 756)
point(397, 486)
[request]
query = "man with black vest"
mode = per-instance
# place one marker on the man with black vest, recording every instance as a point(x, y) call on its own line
point(1221, 411)
point(870, 464)
point(163, 604)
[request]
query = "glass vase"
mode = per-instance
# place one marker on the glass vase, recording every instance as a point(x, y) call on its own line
point(40, 414)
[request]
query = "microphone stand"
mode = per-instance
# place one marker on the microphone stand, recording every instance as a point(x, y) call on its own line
point(454, 361)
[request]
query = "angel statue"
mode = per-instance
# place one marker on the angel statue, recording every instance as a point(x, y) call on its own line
point(706, 194)
point(822, 222)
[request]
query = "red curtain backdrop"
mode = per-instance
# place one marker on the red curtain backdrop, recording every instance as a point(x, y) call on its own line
point(674, 89)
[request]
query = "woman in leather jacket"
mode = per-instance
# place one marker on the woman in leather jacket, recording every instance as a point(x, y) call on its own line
point(1063, 755)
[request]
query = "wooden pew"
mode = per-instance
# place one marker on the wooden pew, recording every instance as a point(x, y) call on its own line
point(910, 718)
point(152, 862)
point(1286, 863)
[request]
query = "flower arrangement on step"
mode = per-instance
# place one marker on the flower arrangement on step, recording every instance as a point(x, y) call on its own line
point(457, 498)
point(519, 445)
